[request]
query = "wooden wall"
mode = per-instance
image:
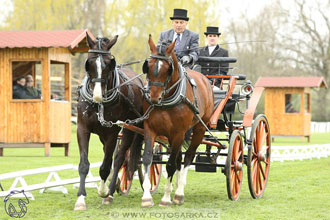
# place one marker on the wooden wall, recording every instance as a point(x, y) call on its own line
point(286, 124)
point(23, 120)
point(33, 121)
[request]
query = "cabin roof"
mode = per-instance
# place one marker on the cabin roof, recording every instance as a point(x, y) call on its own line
point(294, 82)
point(74, 40)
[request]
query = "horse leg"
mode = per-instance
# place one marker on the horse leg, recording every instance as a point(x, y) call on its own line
point(171, 166)
point(147, 160)
point(83, 136)
point(128, 136)
point(108, 148)
point(197, 138)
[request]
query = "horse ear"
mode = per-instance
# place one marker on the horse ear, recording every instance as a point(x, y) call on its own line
point(112, 42)
point(152, 45)
point(90, 41)
point(170, 48)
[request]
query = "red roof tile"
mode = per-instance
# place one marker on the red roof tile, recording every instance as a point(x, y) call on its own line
point(38, 39)
point(291, 82)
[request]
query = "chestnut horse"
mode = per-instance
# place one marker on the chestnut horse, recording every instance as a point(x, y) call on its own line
point(103, 98)
point(194, 101)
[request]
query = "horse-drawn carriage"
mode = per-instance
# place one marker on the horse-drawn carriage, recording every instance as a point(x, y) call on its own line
point(176, 102)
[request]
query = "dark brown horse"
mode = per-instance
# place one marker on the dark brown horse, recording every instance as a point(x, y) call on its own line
point(105, 99)
point(178, 98)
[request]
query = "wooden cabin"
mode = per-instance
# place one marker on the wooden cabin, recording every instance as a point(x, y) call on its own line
point(44, 119)
point(288, 104)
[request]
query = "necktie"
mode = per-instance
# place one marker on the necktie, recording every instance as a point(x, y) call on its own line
point(177, 43)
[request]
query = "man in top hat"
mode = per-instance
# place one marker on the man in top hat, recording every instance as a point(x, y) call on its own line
point(213, 50)
point(186, 44)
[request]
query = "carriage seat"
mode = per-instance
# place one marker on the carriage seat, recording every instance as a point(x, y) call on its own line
point(218, 96)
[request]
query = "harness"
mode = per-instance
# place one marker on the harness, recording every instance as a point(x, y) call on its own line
point(111, 97)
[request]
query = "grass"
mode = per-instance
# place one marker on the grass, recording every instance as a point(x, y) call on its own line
point(296, 190)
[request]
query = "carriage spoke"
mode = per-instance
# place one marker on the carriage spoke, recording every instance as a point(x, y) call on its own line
point(238, 144)
point(236, 185)
point(151, 174)
point(154, 174)
point(239, 155)
point(259, 179)
point(157, 169)
point(262, 171)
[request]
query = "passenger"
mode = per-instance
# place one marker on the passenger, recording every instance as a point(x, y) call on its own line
point(186, 41)
point(32, 91)
point(213, 50)
point(19, 89)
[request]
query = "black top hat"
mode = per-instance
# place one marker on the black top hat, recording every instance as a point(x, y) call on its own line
point(212, 30)
point(180, 14)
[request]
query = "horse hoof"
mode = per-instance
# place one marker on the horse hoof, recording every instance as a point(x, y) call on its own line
point(165, 204)
point(178, 200)
point(79, 207)
point(147, 203)
point(107, 201)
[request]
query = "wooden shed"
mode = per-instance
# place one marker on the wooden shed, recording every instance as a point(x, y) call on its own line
point(42, 120)
point(288, 104)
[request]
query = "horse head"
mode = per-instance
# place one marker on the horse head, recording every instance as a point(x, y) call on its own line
point(99, 65)
point(160, 69)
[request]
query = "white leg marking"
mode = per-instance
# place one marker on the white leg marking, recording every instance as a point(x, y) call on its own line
point(146, 185)
point(168, 190)
point(110, 176)
point(81, 200)
point(182, 182)
point(80, 204)
point(103, 190)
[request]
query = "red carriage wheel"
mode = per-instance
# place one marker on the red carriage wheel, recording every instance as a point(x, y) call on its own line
point(124, 182)
point(234, 165)
point(258, 161)
point(155, 171)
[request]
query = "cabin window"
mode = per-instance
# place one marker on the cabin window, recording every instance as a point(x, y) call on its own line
point(292, 103)
point(58, 81)
point(307, 103)
point(27, 78)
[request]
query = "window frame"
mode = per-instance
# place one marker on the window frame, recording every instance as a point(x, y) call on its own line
point(11, 79)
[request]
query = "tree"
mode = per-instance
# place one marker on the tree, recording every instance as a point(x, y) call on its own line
point(307, 45)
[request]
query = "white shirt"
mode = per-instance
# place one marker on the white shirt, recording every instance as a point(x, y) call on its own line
point(175, 35)
point(211, 49)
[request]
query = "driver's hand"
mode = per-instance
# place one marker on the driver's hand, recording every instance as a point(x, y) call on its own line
point(185, 60)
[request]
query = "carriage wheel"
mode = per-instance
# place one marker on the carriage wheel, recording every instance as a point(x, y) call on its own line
point(258, 161)
point(234, 165)
point(155, 171)
point(123, 183)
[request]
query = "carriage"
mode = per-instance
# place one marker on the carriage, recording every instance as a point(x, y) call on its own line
point(227, 144)
point(247, 141)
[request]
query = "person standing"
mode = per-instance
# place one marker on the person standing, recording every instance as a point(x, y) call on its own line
point(213, 50)
point(186, 45)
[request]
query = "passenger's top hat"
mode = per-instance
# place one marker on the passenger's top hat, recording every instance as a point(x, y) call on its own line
point(212, 30)
point(180, 14)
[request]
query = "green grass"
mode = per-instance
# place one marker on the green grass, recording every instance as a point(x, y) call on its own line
point(296, 189)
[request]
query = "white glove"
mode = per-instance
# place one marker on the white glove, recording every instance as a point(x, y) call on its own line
point(185, 59)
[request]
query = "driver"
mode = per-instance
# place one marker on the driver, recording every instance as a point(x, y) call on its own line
point(186, 41)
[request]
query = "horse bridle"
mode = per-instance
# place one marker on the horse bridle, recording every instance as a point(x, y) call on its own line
point(169, 60)
point(99, 54)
